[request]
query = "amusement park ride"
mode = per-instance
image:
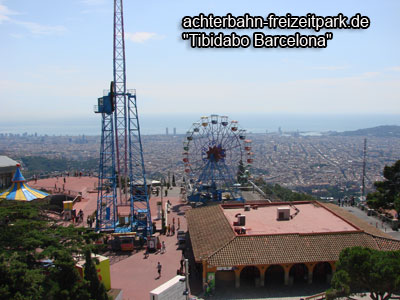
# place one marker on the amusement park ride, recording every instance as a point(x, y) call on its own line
point(122, 179)
point(217, 156)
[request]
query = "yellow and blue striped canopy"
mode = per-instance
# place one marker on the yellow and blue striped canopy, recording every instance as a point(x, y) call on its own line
point(20, 190)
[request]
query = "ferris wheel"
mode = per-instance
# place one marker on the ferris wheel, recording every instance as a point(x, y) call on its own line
point(216, 155)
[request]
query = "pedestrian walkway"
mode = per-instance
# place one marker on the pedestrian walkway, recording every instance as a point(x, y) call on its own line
point(373, 220)
point(137, 275)
point(73, 186)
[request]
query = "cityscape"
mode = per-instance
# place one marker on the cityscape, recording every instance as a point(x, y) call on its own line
point(306, 163)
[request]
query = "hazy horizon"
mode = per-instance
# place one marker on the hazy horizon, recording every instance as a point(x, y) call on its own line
point(157, 123)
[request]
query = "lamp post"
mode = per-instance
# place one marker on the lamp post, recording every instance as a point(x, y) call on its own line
point(187, 278)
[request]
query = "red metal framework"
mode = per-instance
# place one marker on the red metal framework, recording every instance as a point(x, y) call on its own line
point(121, 133)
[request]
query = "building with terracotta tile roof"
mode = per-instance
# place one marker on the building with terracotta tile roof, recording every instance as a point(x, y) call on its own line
point(272, 243)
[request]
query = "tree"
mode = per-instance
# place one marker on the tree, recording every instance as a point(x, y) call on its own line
point(18, 281)
point(63, 281)
point(387, 194)
point(95, 287)
point(280, 193)
point(242, 174)
point(366, 270)
point(37, 255)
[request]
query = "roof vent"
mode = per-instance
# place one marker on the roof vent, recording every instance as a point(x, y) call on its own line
point(283, 213)
point(241, 220)
point(240, 229)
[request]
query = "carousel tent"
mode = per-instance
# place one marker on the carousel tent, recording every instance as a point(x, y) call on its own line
point(20, 190)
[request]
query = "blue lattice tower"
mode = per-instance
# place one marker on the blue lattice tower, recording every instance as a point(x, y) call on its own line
point(106, 216)
point(140, 208)
point(127, 165)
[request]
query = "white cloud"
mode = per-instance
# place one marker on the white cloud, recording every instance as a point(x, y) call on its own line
point(33, 27)
point(141, 37)
point(39, 29)
point(5, 13)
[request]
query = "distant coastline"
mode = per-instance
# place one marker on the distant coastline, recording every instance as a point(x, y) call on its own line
point(255, 123)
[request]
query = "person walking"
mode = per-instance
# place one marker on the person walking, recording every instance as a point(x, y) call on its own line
point(159, 269)
point(173, 229)
point(163, 249)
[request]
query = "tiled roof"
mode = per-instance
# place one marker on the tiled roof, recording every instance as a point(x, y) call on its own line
point(213, 239)
point(209, 230)
point(387, 244)
point(289, 248)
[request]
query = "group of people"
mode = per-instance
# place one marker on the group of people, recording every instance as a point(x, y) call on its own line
point(171, 228)
point(346, 201)
point(79, 217)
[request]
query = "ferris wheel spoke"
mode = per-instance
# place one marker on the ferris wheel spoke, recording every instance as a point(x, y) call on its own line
point(230, 143)
point(233, 147)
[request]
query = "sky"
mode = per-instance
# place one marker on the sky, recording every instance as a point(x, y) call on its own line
point(56, 60)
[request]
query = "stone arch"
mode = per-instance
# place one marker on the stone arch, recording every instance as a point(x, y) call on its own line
point(275, 275)
point(322, 272)
point(298, 273)
point(249, 276)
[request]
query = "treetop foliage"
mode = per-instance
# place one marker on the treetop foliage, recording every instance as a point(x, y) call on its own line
point(387, 194)
point(37, 255)
point(366, 270)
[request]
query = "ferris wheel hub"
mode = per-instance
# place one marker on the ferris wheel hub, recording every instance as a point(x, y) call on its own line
point(215, 153)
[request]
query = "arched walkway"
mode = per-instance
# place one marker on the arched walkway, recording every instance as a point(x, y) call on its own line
point(322, 272)
point(248, 276)
point(275, 275)
point(298, 273)
point(224, 279)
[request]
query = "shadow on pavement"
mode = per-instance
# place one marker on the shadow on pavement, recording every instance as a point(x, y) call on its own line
point(282, 292)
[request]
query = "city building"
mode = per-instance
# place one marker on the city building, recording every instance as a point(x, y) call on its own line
point(7, 170)
point(261, 244)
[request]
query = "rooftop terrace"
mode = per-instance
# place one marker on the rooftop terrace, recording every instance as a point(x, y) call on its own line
point(305, 218)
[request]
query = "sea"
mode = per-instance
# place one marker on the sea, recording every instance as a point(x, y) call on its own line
point(158, 123)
